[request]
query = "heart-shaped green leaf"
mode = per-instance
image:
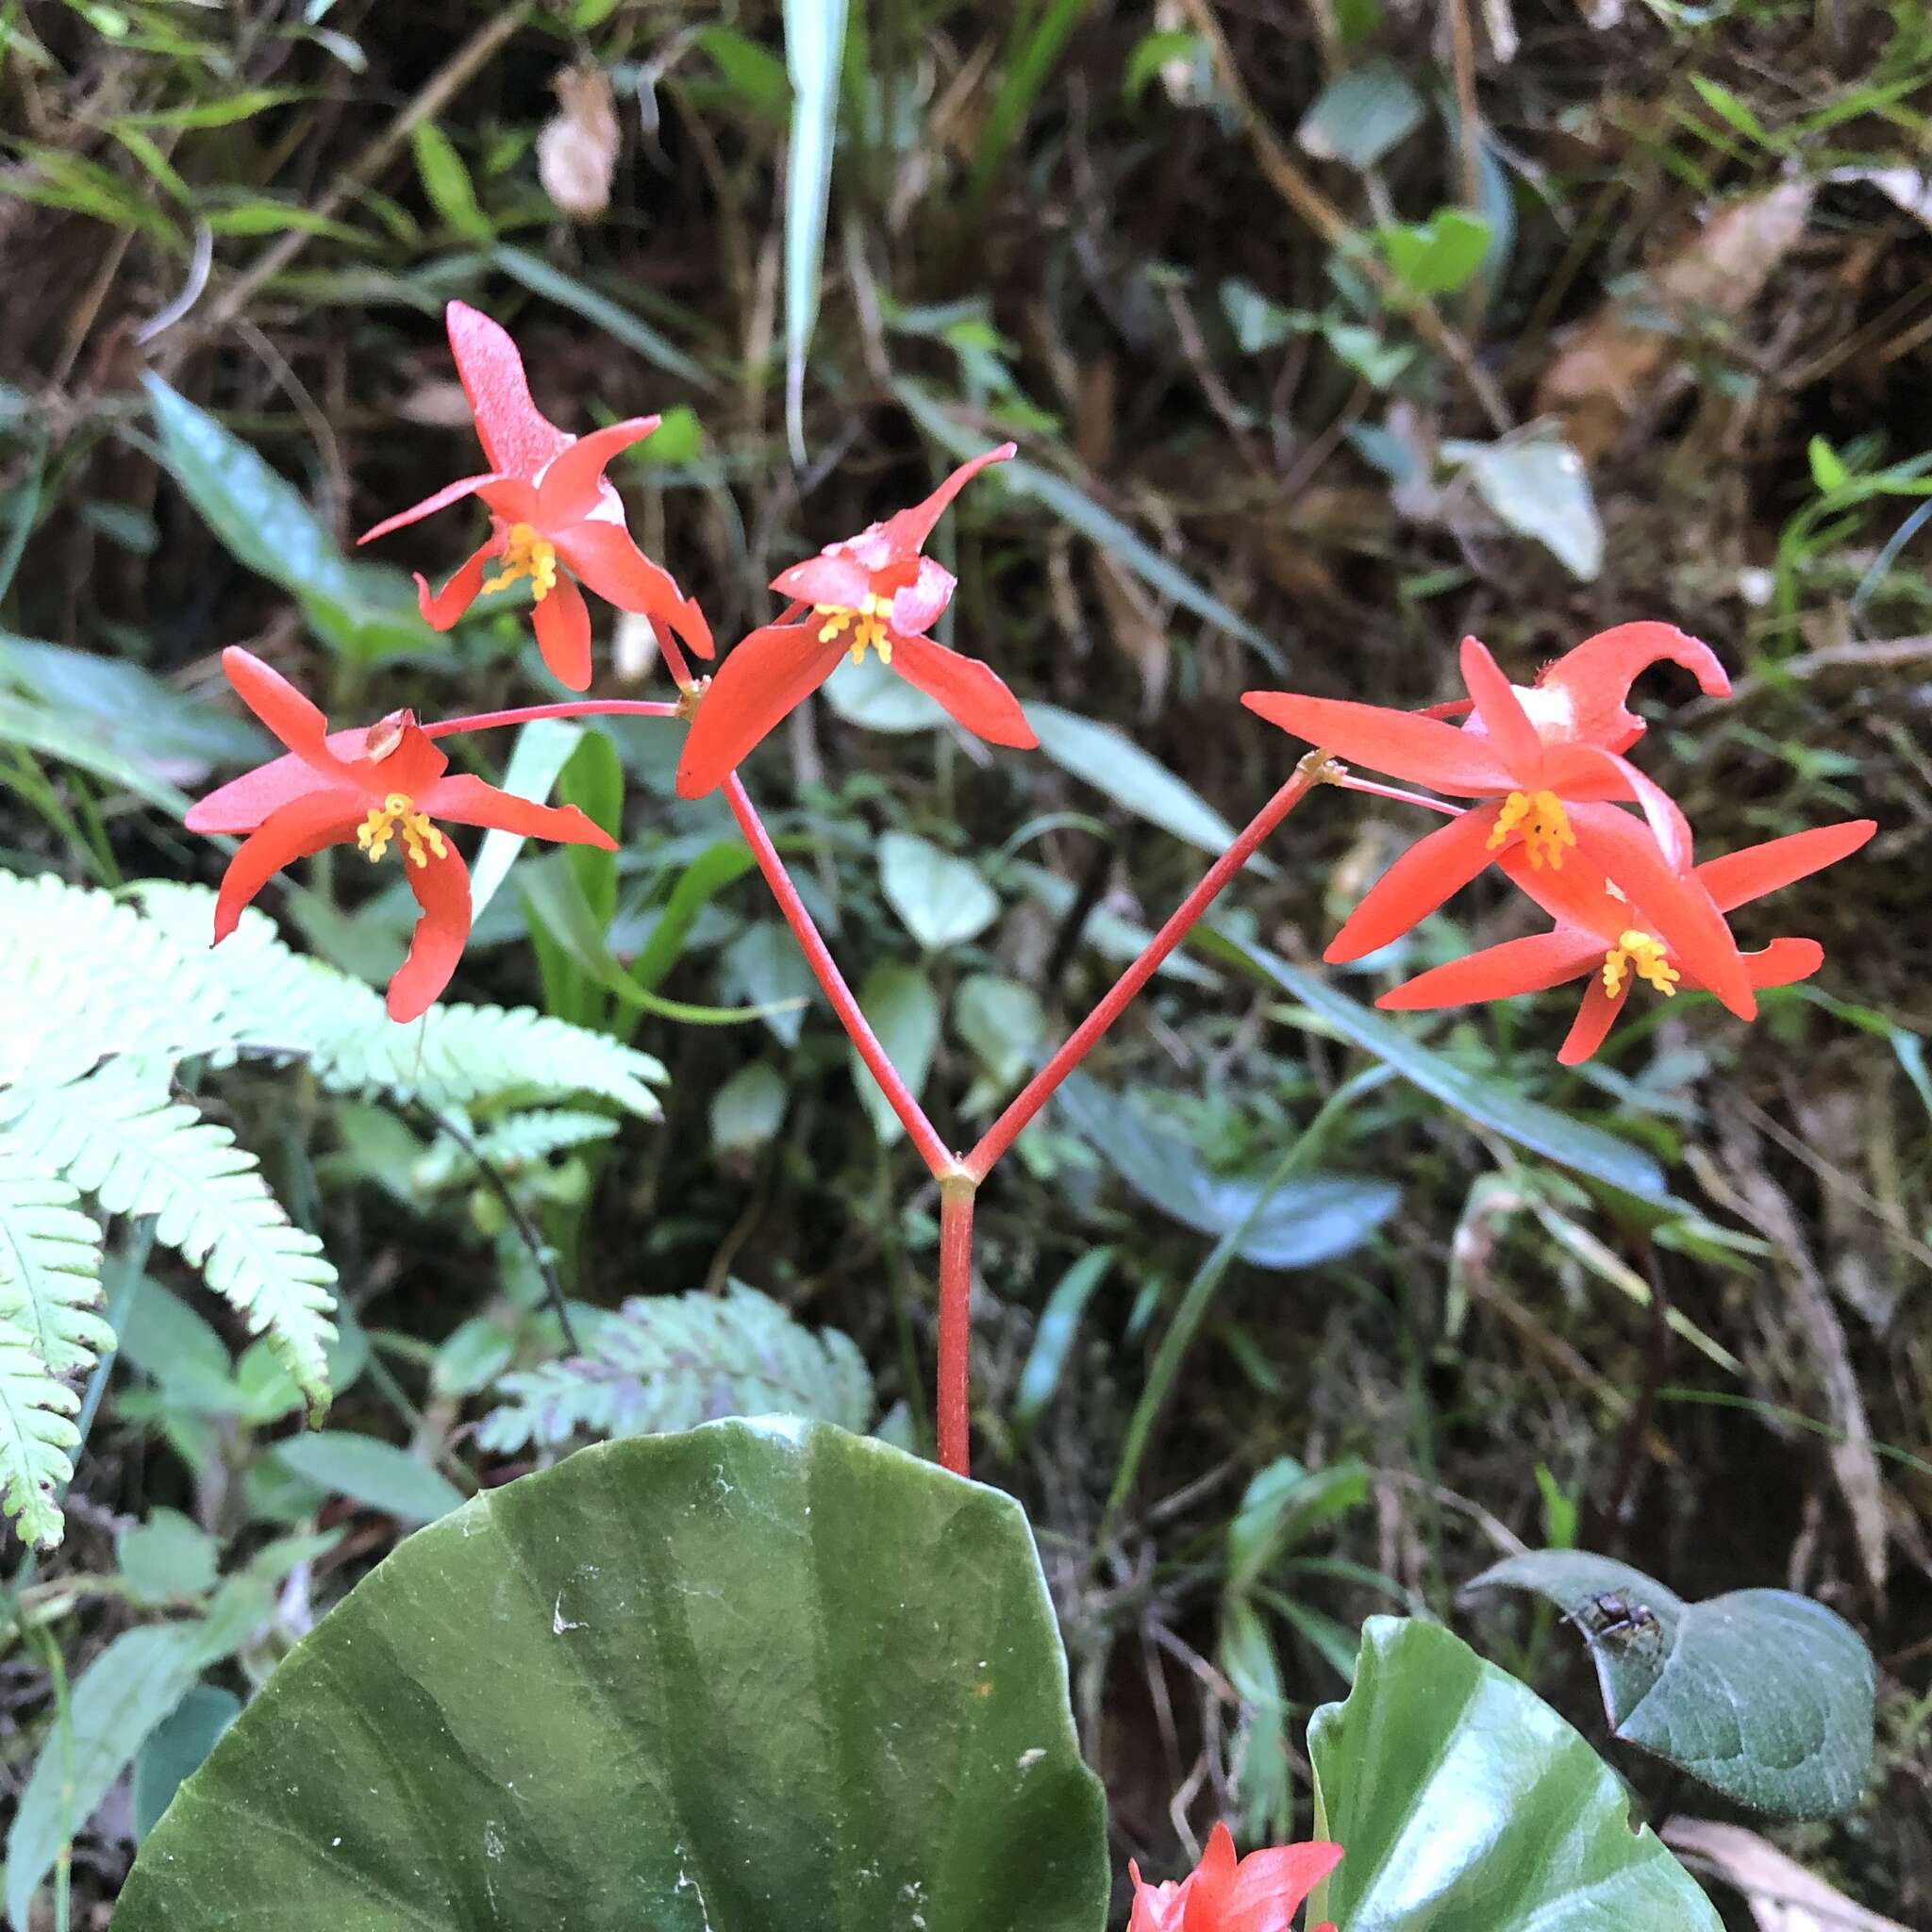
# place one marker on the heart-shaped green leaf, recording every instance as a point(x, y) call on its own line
point(1764, 1695)
point(763, 1675)
point(1465, 1803)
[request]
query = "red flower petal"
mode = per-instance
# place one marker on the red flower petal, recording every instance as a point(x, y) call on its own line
point(243, 802)
point(762, 678)
point(1421, 750)
point(441, 887)
point(1504, 721)
point(440, 610)
point(1738, 876)
point(1436, 866)
point(563, 633)
point(279, 706)
point(1499, 973)
point(1592, 682)
point(971, 693)
point(1268, 1887)
point(908, 531)
point(610, 564)
point(290, 832)
point(1784, 962)
point(917, 607)
point(572, 486)
point(835, 578)
point(1586, 772)
point(516, 436)
point(1676, 908)
point(1595, 1018)
point(449, 494)
point(469, 801)
point(1207, 1885)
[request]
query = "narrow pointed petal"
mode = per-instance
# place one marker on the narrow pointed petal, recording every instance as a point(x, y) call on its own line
point(1784, 962)
point(290, 832)
point(243, 802)
point(1585, 771)
point(441, 608)
point(1677, 908)
point(516, 436)
point(1595, 1019)
point(1499, 973)
point(571, 486)
point(604, 556)
point(1400, 745)
point(1738, 876)
point(763, 677)
point(1269, 1886)
point(470, 801)
point(284, 710)
point(441, 887)
point(1504, 720)
point(1208, 1885)
point(563, 622)
point(917, 607)
point(971, 693)
point(449, 494)
point(1577, 895)
point(1432, 870)
point(1585, 690)
point(835, 578)
point(907, 530)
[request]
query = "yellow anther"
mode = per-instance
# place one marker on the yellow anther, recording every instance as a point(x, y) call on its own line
point(871, 616)
point(526, 555)
point(1544, 824)
point(398, 813)
point(1643, 954)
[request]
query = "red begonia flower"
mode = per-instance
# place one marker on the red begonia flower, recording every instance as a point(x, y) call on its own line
point(875, 590)
point(1601, 933)
point(375, 785)
point(1258, 1893)
point(552, 516)
point(1546, 760)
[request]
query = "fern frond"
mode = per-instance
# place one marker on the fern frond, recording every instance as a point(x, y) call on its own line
point(665, 1362)
point(516, 1142)
point(119, 1136)
point(50, 1261)
point(37, 1438)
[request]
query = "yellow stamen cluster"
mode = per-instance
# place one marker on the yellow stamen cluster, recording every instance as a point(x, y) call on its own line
point(1643, 954)
point(398, 813)
point(526, 555)
point(1544, 824)
point(870, 615)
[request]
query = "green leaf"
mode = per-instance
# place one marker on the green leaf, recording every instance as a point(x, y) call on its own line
point(814, 44)
point(1053, 1340)
point(1490, 1103)
point(1003, 1023)
point(870, 694)
point(364, 611)
point(1467, 1805)
point(903, 1011)
point(1539, 488)
point(619, 323)
point(1437, 257)
point(1359, 117)
point(1115, 765)
point(558, 1706)
point(1764, 1695)
point(1281, 1504)
point(1304, 1221)
point(376, 1475)
point(748, 1109)
point(167, 1557)
point(944, 901)
point(1828, 469)
point(1258, 321)
point(446, 182)
point(57, 734)
point(542, 751)
point(180, 1747)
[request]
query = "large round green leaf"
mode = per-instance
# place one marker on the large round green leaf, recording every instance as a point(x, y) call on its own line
point(1763, 1695)
point(759, 1676)
point(1465, 1803)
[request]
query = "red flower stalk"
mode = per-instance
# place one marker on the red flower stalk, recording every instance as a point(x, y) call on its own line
point(1546, 760)
point(382, 786)
point(1601, 933)
point(1258, 1893)
point(554, 517)
point(877, 591)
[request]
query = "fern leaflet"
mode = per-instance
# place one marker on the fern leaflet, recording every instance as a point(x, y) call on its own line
point(37, 1438)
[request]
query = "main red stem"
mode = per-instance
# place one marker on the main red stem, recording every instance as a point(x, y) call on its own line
point(955, 1322)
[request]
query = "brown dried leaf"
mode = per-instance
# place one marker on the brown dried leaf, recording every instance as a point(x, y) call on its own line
point(576, 152)
point(1783, 1896)
point(1134, 625)
point(1610, 361)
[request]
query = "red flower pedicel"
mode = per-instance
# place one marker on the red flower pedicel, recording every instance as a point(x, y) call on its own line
point(873, 591)
point(1602, 934)
point(1258, 1893)
point(1546, 759)
point(384, 788)
point(554, 517)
